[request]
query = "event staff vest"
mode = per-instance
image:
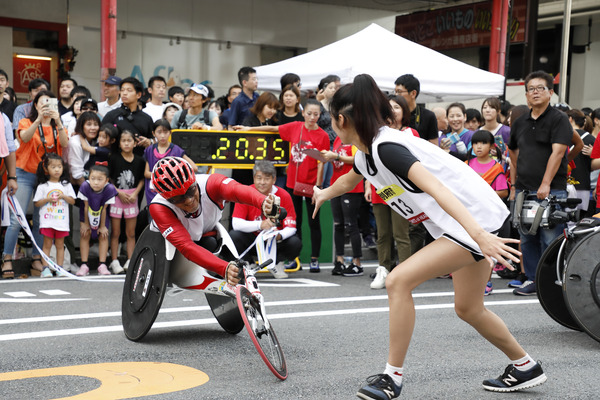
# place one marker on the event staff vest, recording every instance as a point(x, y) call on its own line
point(206, 221)
point(417, 206)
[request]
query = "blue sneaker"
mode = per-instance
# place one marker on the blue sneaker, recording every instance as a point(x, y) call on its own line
point(314, 266)
point(380, 387)
point(512, 379)
point(527, 289)
point(46, 273)
point(518, 281)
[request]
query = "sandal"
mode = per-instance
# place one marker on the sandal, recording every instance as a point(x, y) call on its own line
point(7, 273)
point(33, 270)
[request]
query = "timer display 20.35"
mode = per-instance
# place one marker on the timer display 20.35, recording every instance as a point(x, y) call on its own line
point(228, 147)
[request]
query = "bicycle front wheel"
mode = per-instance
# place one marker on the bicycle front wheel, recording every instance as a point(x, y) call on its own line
point(264, 338)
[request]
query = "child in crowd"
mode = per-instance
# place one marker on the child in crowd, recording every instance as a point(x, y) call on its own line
point(107, 138)
point(303, 170)
point(484, 144)
point(52, 196)
point(96, 194)
point(127, 174)
point(159, 150)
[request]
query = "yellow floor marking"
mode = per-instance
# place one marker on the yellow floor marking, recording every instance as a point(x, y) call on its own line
point(123, 380)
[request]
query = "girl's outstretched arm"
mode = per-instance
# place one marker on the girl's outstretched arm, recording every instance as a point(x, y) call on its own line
point(344, 184)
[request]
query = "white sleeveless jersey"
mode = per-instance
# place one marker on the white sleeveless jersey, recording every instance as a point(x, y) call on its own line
point(417, 206)
point(206, 221)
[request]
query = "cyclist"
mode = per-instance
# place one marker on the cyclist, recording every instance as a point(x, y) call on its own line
point(188, 207)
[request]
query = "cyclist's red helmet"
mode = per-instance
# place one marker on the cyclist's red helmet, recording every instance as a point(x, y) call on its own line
point(172, 176)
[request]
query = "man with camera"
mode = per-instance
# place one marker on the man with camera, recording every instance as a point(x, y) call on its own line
point(538, 164)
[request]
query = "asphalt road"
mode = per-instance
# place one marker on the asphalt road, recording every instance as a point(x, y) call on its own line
point(61, 338)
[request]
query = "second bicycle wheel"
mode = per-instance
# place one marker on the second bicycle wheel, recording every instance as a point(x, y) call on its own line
point(264, 338)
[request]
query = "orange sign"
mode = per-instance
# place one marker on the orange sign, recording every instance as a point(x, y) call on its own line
point(25, 70)
point(459, 27)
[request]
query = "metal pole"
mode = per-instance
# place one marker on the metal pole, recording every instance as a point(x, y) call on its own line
point(108, 28)
point(564, 59)
point(495, 37)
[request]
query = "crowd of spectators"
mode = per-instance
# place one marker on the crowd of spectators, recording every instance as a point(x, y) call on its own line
point(108, 150)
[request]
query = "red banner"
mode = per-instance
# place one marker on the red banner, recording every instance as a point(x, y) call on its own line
point(27, 69)
point(459, 27)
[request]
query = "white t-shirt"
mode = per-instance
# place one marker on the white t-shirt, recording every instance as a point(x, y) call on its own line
point(104, 108)
point(54, 214)
point(156, 112)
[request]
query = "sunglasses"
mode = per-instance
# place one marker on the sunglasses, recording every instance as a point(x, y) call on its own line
point(189, 194)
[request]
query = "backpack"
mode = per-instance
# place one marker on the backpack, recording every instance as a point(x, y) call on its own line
point(181, 124)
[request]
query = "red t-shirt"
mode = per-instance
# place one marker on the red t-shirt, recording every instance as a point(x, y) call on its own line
point(251, 213)
point(302, 168)
point(375, 199)
point(341, 168)
point(596, 154)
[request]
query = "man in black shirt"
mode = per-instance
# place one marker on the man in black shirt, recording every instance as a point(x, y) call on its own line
point(421, 119)
point(130, 116)
point(538, 163)
point(64, 93)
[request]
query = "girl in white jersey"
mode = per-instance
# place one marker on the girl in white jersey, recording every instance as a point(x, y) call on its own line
point(462, 214)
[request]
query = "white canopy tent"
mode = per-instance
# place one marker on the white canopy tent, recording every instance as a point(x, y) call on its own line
point(385, 56)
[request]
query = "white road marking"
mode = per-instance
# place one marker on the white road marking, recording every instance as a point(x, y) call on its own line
point(209, 321)
point(301, 282)
point(19, 294)
point(54, 292)
point(38, 300)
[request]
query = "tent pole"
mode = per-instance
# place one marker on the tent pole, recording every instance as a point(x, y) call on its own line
point(564, 59)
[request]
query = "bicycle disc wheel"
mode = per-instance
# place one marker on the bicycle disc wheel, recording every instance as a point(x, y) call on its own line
point(264, 339)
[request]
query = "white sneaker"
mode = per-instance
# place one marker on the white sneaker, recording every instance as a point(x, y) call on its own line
point(379, 282)
point(126, 265)
point(278, 271)
point(116, 268)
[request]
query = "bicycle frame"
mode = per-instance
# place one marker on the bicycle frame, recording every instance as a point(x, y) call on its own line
point(189, 276)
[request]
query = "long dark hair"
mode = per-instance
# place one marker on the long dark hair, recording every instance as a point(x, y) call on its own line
point(42, 176)
point(364, 106)
point(34, 112)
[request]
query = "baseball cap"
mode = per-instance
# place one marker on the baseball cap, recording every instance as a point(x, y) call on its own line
point(200, 89)
point(90, 101)
point(112, 80)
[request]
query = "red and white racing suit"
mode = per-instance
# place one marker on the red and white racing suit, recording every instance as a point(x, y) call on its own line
point(182, 230)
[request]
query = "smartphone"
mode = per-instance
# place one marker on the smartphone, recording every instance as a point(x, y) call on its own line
point(500, 143)
point(52, 104)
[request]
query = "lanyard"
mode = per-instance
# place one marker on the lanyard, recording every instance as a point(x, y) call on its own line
point(43, 138)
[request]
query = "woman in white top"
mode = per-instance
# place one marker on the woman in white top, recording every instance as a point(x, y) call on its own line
point(88, 125)
point(461, 214)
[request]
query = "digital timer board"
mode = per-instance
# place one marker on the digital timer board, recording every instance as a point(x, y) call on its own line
point(232, 148)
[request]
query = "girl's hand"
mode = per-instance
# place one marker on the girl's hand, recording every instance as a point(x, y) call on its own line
point(368, 193)
point(123, 196)
point(587, 150)
point(493, 246)
point(103, 232)
point(84, 228)
point(318, 199)
point(241, 128)
point(329, 155)
point(320, 95)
